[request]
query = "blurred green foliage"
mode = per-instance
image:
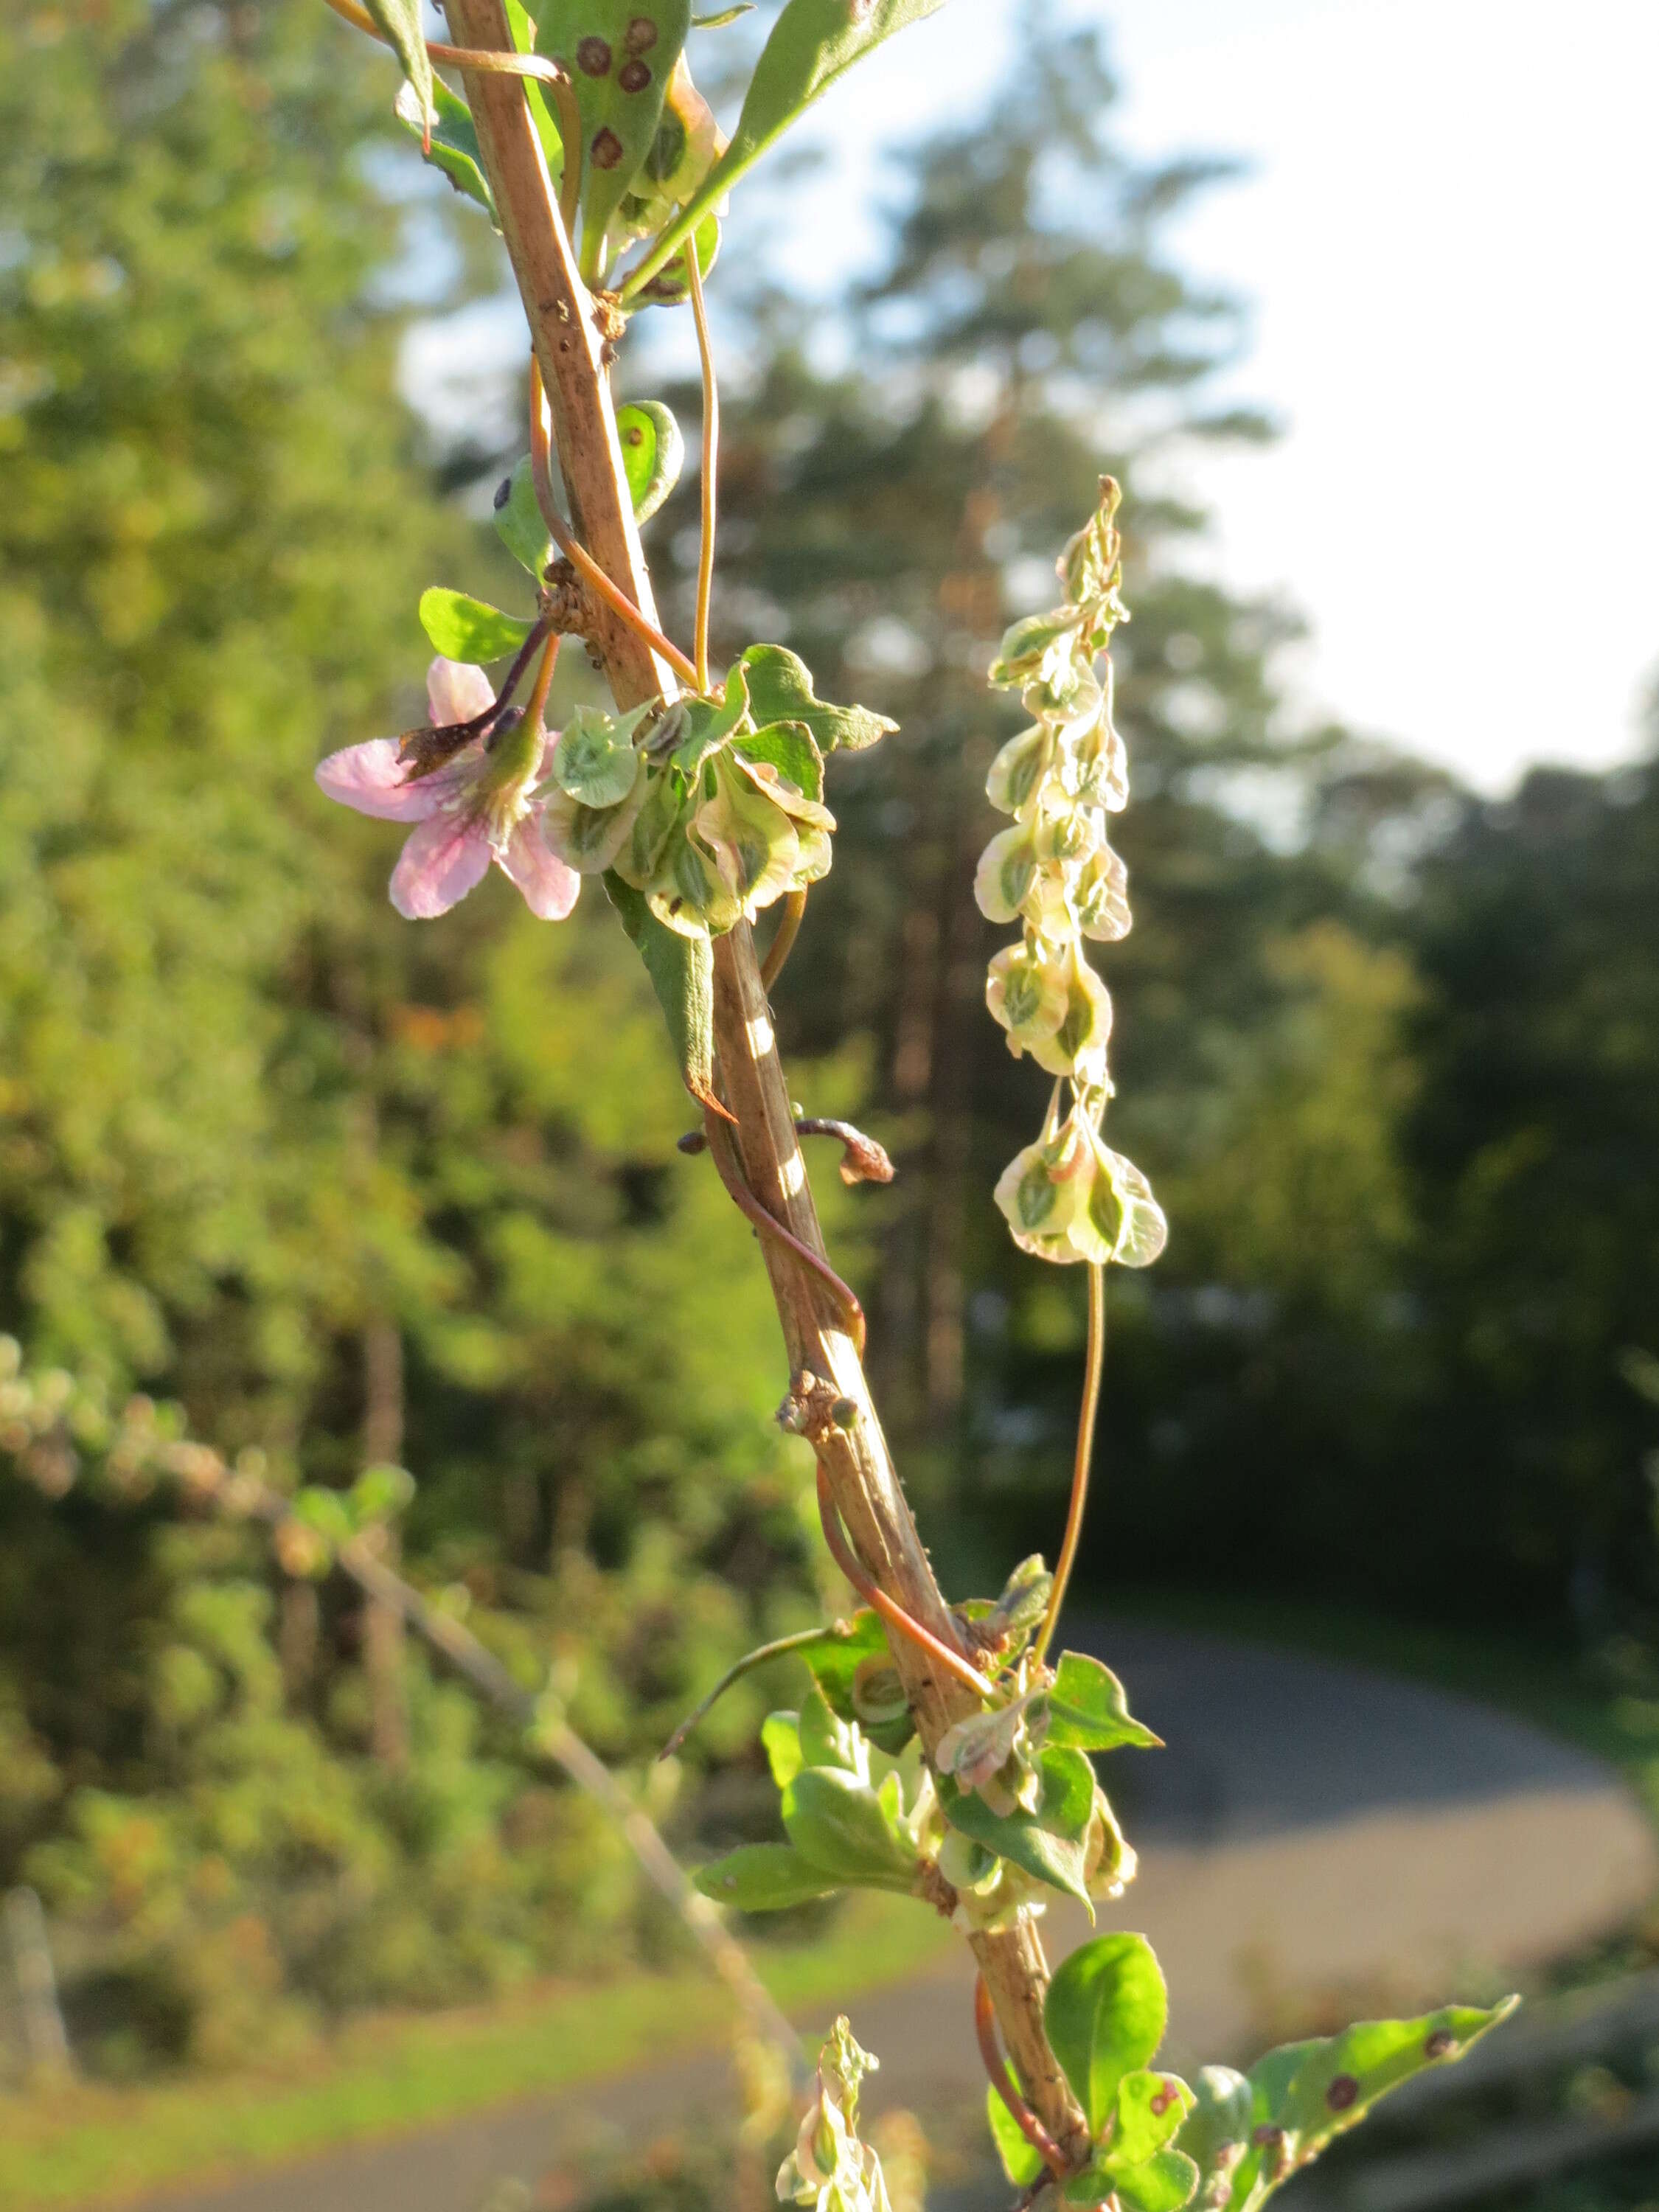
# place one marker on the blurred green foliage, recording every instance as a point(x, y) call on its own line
point(354, 1189)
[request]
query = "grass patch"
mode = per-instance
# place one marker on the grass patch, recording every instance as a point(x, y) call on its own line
point(387, 2072)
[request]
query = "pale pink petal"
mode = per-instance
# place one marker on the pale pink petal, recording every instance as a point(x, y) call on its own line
point(372, 778)
point(550, 888)
point(456, 692)
point(440, 864)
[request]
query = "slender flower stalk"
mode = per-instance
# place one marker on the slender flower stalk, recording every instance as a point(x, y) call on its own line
point(1088, 1414)
point(711, 440)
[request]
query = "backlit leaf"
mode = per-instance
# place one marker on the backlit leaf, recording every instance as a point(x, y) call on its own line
point(1105, 2013)
point(781, 690)
point(763, 1878)
point(682, 972)
point(653, 453)
point(465, 628)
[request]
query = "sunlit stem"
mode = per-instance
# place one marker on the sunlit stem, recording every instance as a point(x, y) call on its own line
point(1093, 1366)
point(581, 559)
point(711, 440)
point(891, 1611)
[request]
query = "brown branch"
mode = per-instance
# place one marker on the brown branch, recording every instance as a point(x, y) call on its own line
point(857, 1466)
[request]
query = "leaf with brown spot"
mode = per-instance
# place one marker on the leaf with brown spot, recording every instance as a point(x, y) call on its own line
point(620, 55)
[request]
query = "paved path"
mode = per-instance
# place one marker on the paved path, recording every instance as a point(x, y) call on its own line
point(1315, 1836)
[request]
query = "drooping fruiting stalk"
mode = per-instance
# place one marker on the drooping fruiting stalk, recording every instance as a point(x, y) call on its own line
point(1088, 1413)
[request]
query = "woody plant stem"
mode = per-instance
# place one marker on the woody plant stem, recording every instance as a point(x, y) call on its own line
point(830, 1395)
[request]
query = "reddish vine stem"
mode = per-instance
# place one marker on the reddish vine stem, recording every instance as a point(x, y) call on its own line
point(891, 1611)
point(990, 2050)
point(769, 1226)
point(541, 475)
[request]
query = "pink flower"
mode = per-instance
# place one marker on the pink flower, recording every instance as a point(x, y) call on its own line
point(475, 808)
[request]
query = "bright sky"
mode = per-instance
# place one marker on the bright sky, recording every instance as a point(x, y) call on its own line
point(1449, 240)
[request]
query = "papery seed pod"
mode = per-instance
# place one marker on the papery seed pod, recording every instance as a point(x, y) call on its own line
point(1026, 991)
point(590, 839)
point(1042, 1192)
point(1007, 875)
point(663, 805)
point(1019, 767)
point(1062, 834)
point(1100, 896)
point(750, 839)
point(1122, 1209)
point(1077, 1047)
point(1035, 648)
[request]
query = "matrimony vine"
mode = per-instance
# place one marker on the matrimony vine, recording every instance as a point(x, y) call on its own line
point(936, 1752)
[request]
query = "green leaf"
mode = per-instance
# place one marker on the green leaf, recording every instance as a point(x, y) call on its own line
point(1051, 1842)
point(780, 1738)
point(595, 760)
point(1304, 2094)
point(702, 726)
point(781, 690)
point(547, 130)
point(401, 22)
point(380, 1493)
point(1149, 2112)
point(1105, 2015)
point(1021, 2161)
point(465, 628)
point(670, 286)
point(836, 1657)
point(454, 147)
point(327, 1515)
point(763, 1878)
point(1088, 1709)
point(789, 747)
point(620, 55)
point(1163, 2183)
point(840, 1824)
point(826, 1740)
point(519, 522)
point(1216, 2131)
point(724, 16)
point(653, 453)
point(682, 972)
point(812, 44)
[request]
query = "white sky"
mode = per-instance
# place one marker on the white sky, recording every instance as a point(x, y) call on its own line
point(1449, 240)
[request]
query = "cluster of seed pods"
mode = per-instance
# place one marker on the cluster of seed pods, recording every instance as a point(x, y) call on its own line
point(1067, 1197)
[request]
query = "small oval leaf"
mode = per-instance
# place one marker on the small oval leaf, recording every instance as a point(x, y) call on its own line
point(465, 628)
